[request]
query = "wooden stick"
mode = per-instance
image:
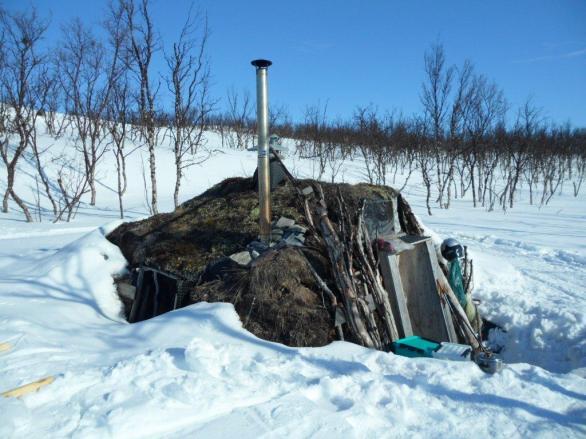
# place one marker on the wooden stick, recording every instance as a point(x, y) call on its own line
point(308, 213)
point(378, 291)
point(28, 388)
point(443, 288)
point(322, 284)
point(343, 278)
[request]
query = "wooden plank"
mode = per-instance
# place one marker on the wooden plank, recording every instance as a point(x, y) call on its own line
point(438, 274)
point(28, 388)
point(444, 288)
point(392, 282)
point(422, 298)
point(5, 347)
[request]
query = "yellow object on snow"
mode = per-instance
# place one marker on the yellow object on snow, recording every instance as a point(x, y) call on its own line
point(28, 388)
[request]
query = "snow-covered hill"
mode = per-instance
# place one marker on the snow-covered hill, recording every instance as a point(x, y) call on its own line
point(196, 372)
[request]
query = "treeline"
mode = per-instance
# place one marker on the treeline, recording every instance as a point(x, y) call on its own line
point(460, 146)
point(479, 159)
point(112, 99)
point(100, 91)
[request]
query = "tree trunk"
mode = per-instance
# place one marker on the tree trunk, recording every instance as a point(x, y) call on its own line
point(120, 205)
point(10, 170)
point(472, 180)
point(120, 189)
point(153, 169)
point(5, 201)
point(45, 181)
point(92, 184)
point(427, 182)
point(178, 176)
point(27, 214)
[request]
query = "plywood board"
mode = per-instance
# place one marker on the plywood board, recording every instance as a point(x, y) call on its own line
point(421, 296)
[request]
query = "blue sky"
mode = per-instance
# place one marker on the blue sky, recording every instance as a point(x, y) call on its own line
point(351, 53)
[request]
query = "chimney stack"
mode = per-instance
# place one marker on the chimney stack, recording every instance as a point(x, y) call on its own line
point(262, 122)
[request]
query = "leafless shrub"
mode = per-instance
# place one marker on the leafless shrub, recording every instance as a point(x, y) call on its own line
point(87, 71)
point(73, 184)
point(239, 120)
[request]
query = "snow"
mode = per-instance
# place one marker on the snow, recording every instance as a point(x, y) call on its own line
point(197, 372)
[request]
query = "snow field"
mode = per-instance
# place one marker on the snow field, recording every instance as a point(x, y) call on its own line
point(196, 372)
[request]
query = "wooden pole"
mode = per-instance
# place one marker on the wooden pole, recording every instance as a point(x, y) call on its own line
point(28, 388)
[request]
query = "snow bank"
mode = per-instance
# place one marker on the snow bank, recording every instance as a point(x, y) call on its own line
point(196, 371)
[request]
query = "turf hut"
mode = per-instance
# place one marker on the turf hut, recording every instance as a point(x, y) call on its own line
point(303, 262)
point(344, 261)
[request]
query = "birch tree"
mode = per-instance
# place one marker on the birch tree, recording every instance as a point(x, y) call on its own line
point(119, 102)
point(21, 82)
point(188, 83)
point(86, 73)
point(142, 44)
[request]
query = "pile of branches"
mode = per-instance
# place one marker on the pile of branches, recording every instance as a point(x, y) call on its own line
point(365, 305)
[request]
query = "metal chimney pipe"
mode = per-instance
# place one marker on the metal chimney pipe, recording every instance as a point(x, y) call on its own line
point(262, 122)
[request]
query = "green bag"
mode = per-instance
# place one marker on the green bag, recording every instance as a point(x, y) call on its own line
point(457, 282)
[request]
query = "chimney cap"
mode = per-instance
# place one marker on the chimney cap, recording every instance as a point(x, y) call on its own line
point(261, 63)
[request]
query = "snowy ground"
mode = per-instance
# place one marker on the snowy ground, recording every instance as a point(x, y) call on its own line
point(195, 371)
